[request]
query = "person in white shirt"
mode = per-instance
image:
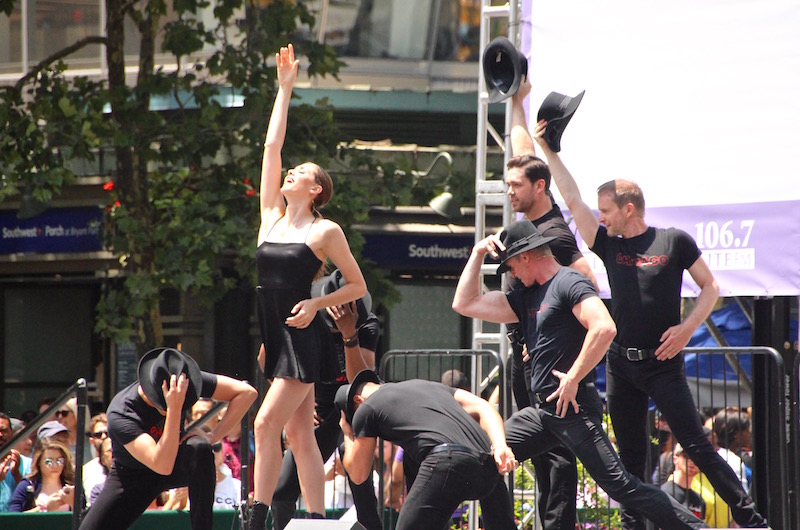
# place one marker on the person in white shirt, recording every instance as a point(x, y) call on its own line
point(227, 494)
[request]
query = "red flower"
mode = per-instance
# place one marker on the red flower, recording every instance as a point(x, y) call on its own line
point(250, 192)
point(109, 186)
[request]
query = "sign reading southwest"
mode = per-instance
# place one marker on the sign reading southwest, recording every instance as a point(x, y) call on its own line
point(56, 230)
point(418, 251)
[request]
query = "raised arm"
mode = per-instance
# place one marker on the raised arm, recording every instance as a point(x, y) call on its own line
point(584, 216)
point(469, 299)
point(271, 199)
point(521, 141)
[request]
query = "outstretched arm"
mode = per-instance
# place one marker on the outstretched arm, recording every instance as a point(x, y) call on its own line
point(239, 395)
point(271, 198)
point(469, 299)
point(492, 423)
point(521, 141)
point(584, 216)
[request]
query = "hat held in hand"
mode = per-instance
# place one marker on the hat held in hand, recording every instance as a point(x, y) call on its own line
point(557, 109)
point(503, 69)
point(333, 282)
point(159, 365)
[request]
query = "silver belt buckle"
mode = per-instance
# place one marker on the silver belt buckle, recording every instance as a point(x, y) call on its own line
point(634, 354)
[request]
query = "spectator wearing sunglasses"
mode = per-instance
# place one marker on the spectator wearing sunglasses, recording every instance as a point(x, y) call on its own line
point(228, 492)
point(67, 415)
point(93, 471)
point(49, 486)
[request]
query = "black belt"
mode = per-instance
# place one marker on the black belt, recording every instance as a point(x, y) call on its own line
point(540, 398)
point(632, 354)
point(462, 449)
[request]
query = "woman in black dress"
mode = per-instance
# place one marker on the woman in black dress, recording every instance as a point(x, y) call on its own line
point(294, 241)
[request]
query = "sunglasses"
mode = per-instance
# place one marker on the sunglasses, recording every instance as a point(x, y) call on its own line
point(49, 462)
point(217, 447)
point(62, 413)
point(99, 435)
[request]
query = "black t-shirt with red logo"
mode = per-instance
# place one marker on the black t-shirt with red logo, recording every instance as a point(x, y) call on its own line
point(645, 274)
point(129, 416)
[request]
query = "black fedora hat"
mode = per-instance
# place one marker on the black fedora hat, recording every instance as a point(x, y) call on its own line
point(519, 237)
point(557, 109)
point(503, 68)
point(344, 396)
point(331, 283)
point(158, 365)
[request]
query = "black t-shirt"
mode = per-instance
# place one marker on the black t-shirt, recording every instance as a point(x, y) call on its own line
point(564, 246)
point(692, 500)
point(129, 416)
point(418, 415)
point(645, 274)
point(333, 373)
point(552, 333)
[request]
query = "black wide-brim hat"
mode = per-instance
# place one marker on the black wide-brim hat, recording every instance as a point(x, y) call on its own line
point(557, 109)
point(345, 394)
point(519, 237)
point(331, 283)
point(503, 69)
point(158, 365)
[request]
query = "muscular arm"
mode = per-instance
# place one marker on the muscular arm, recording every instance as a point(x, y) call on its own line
point(358, 453)
point(160, 456)
point(593, 315)
point(521, 141)
point(582, 265)
point(584, 216)
point(492, 423)
point(675, 338)
point(469, 300)
point(239, 395)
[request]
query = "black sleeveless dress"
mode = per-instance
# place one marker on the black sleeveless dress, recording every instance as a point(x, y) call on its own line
point(285, 273)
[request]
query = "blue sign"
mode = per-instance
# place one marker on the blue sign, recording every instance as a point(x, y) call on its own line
point(419, 251)
point(56, 230)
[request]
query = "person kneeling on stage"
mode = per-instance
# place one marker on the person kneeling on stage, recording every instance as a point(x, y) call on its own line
point(151, 451)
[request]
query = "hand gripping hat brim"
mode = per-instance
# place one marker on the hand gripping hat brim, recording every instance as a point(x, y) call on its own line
point(519, 237)
point(331, 283)
point(503, 69)
point(557, 109)
point(158, 365)
point(344, 396)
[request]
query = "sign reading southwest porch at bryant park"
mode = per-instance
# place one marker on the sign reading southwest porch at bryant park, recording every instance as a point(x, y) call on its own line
point(57, 230)
point(419, 251)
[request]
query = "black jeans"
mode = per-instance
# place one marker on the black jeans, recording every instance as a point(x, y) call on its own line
point(535, 430)
point(556, 470)
point(445, 480)
point(329, 436)
point(128, 492)
point(629, 384)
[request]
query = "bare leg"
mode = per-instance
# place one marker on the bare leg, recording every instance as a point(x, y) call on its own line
point(281, 402)
point(310, 467)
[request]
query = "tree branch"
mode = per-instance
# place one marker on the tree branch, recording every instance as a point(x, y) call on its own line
point(47, 61)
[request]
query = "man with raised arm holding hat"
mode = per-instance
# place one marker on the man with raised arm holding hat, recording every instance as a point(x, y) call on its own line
point(567, 330)
point(453, 443)
point(350, 344)
point(151, 451)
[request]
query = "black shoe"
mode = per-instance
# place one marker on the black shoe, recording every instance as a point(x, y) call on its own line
point(314, 515)
point(258, 516)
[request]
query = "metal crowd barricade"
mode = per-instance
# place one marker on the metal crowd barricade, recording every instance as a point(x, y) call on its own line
point(81, 393)
point(483, 369)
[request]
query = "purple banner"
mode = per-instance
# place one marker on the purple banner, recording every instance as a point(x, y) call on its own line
point(55, 230)
point(753, 249)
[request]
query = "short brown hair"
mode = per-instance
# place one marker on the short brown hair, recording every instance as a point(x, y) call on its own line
point(533, 167)
point(623, 192)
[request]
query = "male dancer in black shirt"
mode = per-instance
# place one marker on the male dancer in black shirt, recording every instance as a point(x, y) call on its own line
point(528, 181)
point(645, 267)
point(454, 457)
point(151, 451)
point(567, 330)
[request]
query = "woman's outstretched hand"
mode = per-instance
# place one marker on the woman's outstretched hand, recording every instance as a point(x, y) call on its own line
point(287, 66)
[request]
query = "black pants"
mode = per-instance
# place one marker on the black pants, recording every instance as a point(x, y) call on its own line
point(629, 385)
point(534, 430)
point(128, 492)
point(444, 481)
point(556, 470)
point(329, 436)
